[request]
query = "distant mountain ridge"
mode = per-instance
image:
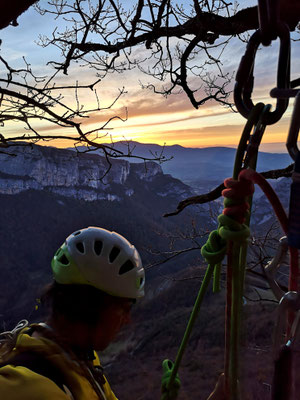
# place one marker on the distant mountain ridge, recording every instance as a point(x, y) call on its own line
point(198, 166)
point(47, 193)
point(86, 177)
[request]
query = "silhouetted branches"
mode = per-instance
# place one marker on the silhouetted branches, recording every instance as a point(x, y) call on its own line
point(217, 192)
point(182, 46)
point(37, 106)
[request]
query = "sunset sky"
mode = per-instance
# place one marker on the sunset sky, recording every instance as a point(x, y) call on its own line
point(151, 117)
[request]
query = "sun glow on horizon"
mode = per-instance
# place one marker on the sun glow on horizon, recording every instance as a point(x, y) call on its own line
point(163, 125)
point(149, 118)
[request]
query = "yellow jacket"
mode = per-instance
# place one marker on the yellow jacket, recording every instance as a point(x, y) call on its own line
point(19, 382)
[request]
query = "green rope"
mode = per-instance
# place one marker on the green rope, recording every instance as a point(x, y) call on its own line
point(217, 278)
point(169, 392)
point(232, 230)
point(240, 249)
point(234, 336)
point(214, 251)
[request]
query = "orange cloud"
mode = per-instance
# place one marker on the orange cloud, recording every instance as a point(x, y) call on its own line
point(139, 105)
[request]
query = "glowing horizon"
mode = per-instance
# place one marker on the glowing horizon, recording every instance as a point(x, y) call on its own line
point(151, 118)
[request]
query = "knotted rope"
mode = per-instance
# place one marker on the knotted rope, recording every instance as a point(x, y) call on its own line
point(213, 251)
point(233, 229)
point(231, 238)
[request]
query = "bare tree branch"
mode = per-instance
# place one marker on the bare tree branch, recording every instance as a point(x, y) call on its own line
point(118, 29)
point(104, 34)
point(29, 104)
point(217, 192)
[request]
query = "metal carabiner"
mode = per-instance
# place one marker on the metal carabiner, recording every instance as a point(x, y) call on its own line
point(245, 79)
point(268, 18)
point(284, 93)
point(290, 302)
point(291, 143)
point(295, 329)
point(256, 137)
point(272, 267)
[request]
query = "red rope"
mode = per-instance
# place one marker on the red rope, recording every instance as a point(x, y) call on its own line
point(235, 209)
point(237, 191)
point(255, 177)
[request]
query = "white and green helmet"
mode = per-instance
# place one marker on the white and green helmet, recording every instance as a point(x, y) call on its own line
point(100, 258)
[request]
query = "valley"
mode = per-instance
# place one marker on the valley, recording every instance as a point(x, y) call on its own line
point(47, 193)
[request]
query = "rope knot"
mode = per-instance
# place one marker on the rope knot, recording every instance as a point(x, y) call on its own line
point(235, 193)
point(214, 249)
point(236, 208)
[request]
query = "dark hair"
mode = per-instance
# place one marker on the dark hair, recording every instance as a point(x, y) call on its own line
point(76, 303)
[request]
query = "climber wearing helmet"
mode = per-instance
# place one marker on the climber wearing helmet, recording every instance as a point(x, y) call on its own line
point(98, 275)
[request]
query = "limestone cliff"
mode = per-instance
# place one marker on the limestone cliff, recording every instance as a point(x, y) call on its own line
point(82, 176)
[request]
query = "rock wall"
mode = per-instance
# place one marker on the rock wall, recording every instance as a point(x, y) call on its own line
point(65, 172)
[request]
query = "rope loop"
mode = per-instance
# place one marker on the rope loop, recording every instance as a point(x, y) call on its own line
point(214, 249)
point(169, 388)
point(231, 222)
point(235, 193)
point(236, 236)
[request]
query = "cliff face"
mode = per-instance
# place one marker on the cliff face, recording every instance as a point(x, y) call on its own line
point(47, 193)
point(82, 176)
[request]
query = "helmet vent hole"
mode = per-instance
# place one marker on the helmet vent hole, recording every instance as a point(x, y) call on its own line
point(80, 247)
point(98, 247)
point(77, 233)
point(114, 254)
point(126, 267)
point(63, 260)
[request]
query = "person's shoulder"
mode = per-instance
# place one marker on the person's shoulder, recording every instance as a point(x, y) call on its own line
point(20, 383)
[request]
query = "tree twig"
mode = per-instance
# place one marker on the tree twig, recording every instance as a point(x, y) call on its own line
point(217, 192)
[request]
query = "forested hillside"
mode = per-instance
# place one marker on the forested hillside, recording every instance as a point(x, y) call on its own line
point(42, 203)
point(44, 198)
